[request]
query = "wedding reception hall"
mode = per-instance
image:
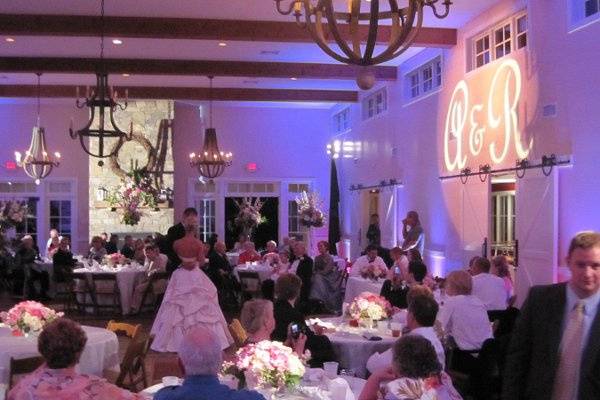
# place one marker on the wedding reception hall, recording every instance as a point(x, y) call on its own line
point(299, 199)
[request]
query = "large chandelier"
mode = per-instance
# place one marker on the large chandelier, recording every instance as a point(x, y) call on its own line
point(210, 161)
point(404, 23)
point(37, 163)
point(102, 102)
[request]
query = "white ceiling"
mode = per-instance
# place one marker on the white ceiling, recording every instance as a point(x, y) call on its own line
point(31, 46)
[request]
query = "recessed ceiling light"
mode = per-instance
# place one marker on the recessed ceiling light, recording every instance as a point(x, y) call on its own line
point(10, 40)
point(222, 44)
point(294, 78)
point(117, 41)
point(125, 75)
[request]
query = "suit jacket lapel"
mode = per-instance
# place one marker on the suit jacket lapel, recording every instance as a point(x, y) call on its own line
point(556, 307)
point(590, 352)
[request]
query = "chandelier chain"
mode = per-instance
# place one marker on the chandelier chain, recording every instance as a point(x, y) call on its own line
point(102, 33)
point(39, 94)
point(210, 101)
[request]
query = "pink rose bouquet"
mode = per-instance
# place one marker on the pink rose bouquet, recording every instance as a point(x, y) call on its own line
point(28, 317)
point(373, 272)
point(369, 306)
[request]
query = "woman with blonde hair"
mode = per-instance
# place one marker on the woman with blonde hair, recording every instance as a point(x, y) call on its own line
point(501, 268)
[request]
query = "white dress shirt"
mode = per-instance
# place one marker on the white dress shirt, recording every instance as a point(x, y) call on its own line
point(158, 265)
point(383, 360)
point(363, 261)
point(491, 290)
point(465, 319)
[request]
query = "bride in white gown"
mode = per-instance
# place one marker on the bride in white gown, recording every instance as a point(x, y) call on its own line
point(191, 300)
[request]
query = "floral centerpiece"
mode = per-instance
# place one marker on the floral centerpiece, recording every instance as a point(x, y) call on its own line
point(12, 212)
point(135, 191)
point(249, 216)
point(373, 272)
point(115, 259)
point(369, 306)
point(269, 365)
point(28, 317)
point(309, 210)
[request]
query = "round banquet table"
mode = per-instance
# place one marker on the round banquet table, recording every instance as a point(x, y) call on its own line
point(127, 278)
point(356, 285)
point(353, 349)
point(101, 351)
point(264, 271)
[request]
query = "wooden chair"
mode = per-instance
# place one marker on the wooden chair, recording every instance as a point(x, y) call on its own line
point(129, 329)
point(22, 366)
point(133, 366)
point(104, 285)
point(81, 291)
point(250, 283)
point(238, 333)
point(154, 291)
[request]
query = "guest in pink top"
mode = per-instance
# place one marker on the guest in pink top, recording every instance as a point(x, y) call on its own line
point(501, 268)
point(61, 343)
point(249, 254)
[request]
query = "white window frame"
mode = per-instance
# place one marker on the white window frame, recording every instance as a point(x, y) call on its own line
point(576, 15)
point(511, 43)
point(424, 80)
point(504, 221)
point(206, 220)
point(374, 104)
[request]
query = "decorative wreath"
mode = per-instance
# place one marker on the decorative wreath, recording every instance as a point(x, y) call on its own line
point(138, 138)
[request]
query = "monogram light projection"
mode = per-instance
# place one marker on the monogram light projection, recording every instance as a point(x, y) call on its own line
point(499, 115)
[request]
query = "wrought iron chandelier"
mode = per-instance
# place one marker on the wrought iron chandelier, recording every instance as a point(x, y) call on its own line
point(37, 163)
point(313, 15)
point(210, 161)
point(102, 102)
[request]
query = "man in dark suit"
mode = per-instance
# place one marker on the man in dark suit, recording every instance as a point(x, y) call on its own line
point(304, 270)
point(177, 231)
point(555, 349)
point(218, 264)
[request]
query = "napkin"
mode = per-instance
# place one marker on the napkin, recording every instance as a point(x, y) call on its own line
point(340, 390)
point(318, 321)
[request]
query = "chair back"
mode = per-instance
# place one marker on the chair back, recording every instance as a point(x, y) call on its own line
point(238, 333)
point(133, 371)
point(130, 330)
point(22, 366)
point(250, 281)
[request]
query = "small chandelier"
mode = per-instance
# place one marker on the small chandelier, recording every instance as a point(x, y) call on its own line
point(405, 24)
point(102, 102)
point(210, 161)
point(37, 162)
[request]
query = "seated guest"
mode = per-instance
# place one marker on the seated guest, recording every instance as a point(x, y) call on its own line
point(61, 344)
point(97, 250)
point(258, 320)
point(239, 245)
point(218, 263)
point(414, 255)
point(422, 312)
point(488, 288)
point(270, 252)
point(51, 249)
point(53, 239)
point(154, 262)
point(303, 267)
point(370, 258)
point(287, 292)
point(400, 260)
point(501, 268)
point(128, 249)
point(326, 279)
point(139, 255)
point(62, 261)
point(285, 244)
point(112, 246)
point(280, 265)
point(396, 289)
point(249, 254)
point(25, 264)
point(191, 299)
point(200, 357)
point(415, 370)
point(464, 318)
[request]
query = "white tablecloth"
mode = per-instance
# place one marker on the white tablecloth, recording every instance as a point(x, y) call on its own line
point(101, 351)
point(352, 349)
point(127, 278)
point(264, 271)
point(356, 285)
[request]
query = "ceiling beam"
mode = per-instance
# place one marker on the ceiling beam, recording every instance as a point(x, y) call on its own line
point(199, 29)
point(191, 68)
point(188, 93)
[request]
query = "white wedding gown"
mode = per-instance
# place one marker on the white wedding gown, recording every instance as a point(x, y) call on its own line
point(190, 301)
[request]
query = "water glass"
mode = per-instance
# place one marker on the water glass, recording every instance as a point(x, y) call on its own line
point(331, 369)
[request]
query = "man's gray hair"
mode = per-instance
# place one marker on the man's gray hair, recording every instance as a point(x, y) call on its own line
point(200, 352)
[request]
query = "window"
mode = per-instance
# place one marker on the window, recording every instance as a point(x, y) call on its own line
point(374, 104)
point(591, 7)
point(29, 224)
point(341, 121)
point(503, 223)
point(294, 226)
point(206, 218)
point(499, 41)
point(60, 216)
point(424, 79)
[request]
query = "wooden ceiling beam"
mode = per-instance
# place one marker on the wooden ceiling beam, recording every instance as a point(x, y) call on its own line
point(187, 93)
point(198, 29)
point(191, 68)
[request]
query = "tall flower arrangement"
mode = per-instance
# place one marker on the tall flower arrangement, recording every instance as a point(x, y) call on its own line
point(309, 210)
point(249, 216)
point(135, 191)
point(12, 212)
